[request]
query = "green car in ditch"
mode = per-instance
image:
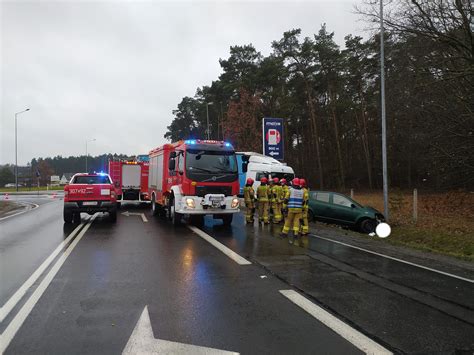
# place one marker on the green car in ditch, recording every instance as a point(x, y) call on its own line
point(336, 208)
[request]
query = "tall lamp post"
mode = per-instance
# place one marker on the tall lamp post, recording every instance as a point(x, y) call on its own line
point(207, 115)
point(16, 147)
point(384, 125)
point(87, 154)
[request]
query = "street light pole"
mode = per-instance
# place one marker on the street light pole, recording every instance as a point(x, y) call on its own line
point(207, 115)
point(384, 124)
point(16, 147)
point(87, 141)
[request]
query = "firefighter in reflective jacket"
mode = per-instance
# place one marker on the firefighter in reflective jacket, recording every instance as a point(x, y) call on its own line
point(277, 197)
point(304, 219)
point(263, 197)
point(249, 198)
point(294, 201)
point(285, 190)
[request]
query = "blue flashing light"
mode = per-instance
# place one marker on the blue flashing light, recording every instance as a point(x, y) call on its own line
point(190, 141)
point(227, 144)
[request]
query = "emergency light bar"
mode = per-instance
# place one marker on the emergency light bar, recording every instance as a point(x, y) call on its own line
point(194, 141)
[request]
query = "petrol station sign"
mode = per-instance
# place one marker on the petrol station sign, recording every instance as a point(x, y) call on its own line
point(273, 137)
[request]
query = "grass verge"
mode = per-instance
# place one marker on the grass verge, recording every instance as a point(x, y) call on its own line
point(445, 221)
point(32, 189)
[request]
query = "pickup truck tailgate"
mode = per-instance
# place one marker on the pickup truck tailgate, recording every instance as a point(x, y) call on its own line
point(82, 192)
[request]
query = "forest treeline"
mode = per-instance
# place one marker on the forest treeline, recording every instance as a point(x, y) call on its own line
point(55, 166)
point(329, 97)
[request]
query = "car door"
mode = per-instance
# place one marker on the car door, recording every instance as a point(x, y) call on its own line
point(342, 210)
point(320, 205)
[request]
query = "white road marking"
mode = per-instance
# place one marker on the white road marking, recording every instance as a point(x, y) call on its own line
point(9, 333)
point(17, 296)
point(142, 215)
point(396, 259)
point(355, 337)
point(230, 253)
point(142, 341)
point(23, 211)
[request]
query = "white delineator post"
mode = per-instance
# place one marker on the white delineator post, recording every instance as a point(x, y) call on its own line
point(415, 205)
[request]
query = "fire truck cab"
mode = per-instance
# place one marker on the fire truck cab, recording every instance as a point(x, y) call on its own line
point(194, 178)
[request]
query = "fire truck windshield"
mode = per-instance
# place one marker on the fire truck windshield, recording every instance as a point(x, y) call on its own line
point(201, 163)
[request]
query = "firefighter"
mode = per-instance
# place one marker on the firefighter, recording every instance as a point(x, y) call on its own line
point(304, 219)
point(270, 199)
point(263, 194)
point(276, 193)
point(294, 201)
point(284, 188)
point(249, 198)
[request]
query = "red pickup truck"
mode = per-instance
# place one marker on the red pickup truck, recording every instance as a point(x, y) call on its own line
point(89, 193)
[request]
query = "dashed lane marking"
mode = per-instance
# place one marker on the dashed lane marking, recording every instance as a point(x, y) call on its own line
point(352, 335)
point(25, 310)
point(230, 253)
point(396, 259)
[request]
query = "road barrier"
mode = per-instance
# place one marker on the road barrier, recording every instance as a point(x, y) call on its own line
point(6, 197)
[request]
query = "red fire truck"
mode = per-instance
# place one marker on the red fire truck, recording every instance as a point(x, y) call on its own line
point(130, 179)
point(194, 178)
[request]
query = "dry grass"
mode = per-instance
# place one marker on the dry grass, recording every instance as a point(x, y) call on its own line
point(445, 220)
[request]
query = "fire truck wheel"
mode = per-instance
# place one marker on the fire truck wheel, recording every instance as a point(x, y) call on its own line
point(227, 219)
point(154, 207)
point(173, 216)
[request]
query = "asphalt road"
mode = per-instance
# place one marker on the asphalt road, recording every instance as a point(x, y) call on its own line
point(107, 277)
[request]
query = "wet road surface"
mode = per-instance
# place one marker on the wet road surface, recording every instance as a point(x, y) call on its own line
point(197, 295)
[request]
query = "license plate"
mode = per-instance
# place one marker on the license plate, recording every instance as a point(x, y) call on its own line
point(89, 203)
point(215, 199)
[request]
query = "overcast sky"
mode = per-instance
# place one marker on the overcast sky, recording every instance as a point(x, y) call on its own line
point(114, 71)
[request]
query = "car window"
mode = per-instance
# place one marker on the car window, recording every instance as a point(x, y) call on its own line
point(261, 175)
point(322, 196)
point(314, 195)
point(94, 179)
point(341, 200)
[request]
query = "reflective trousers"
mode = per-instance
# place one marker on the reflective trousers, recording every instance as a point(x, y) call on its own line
point(263, 207)
point(292, 221)
point(304, 222)
point(249, 213)
point(277, 216)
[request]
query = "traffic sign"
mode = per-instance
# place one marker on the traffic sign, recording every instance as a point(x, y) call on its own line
point(273, 137)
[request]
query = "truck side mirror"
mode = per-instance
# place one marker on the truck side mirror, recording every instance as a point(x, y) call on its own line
point(172, 155)
point(245, 167)
point(171, 164)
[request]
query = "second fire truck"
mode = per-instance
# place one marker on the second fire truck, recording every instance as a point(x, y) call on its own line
point(130, 179)
point(195, 178)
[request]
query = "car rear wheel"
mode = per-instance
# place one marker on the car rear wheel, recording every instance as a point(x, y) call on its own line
point(67, 215)
point(367, 226)
point(113, 214)
point(77, 218)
